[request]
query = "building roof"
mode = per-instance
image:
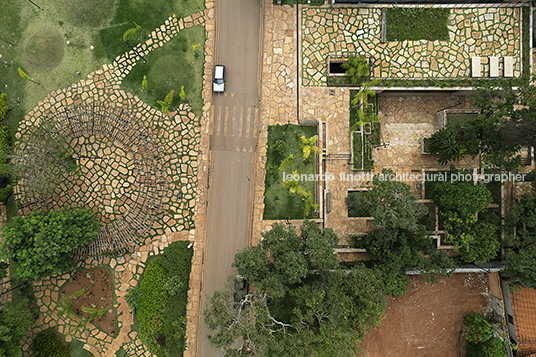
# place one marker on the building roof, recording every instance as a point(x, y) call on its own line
point(524, 311)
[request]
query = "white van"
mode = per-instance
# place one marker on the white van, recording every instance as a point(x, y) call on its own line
point(219, 79)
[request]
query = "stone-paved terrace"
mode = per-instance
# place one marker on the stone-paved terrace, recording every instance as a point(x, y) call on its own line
point(405, 118)
point(483, 32)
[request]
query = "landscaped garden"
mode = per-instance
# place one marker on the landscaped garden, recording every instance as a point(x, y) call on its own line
point(291, 152)
point(80, 141)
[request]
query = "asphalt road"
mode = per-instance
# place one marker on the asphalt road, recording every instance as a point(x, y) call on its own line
point(232, 146)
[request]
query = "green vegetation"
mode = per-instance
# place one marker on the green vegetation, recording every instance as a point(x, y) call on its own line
point(460, 203)
point(357, 69)
point(480, 340)
point(162, 299)
point(42, 241)
point(169, 68)
point(15, 319)
point(521, 251)
point(399, 240)
point(79, 351)
point(72, 37)
point(49, 343)
point(284, 141)
point(413, 23)
point(291, 311)
point(362, 152)
point(355, 201)
point(457, 120)
point(147, 14)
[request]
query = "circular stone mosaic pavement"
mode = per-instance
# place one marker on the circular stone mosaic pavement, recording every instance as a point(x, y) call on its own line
point(119, 173)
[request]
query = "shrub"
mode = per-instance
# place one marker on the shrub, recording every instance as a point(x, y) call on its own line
point(445, 143)
point(152, 303)
point(4, 109)
point(357, 68)
point(48, 343)
point(491, 348)
point(132, 297)
point(5, 192)
point(479, 330)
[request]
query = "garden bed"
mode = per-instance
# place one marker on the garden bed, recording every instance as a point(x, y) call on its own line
point(361, 152)
point(163, 295)
point(283, 140)
point(92, 289)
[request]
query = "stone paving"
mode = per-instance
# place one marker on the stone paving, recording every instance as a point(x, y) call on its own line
point(182, 139)
point(482, 32)
point(279, 91)
point(404, 120)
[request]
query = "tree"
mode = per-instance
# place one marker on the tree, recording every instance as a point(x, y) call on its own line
point(507, 121)
point(42, 241)
point(326, 315)
point(391, 203)
point(520, 257)
point(308, 145)
point(131, 31)
point(284, 258)
point(459, 203)
point(15, 320)
point(144, 83)
point(445, 143)
point(357, 68)
point(167, 102)
point(396, 250)
point(462, 198)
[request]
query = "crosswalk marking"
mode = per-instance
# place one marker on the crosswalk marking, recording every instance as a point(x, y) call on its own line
point(233, 128)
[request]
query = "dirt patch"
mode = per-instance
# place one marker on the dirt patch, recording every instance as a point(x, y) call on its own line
point(98, 295)
point(427, 320)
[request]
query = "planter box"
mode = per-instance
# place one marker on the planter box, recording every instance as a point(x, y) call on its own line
point(425, 144)
point(367, 128)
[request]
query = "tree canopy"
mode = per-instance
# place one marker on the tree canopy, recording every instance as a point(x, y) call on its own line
point(390, 202)
point(284, 258)
point(507, 121)
point(326, 315)
point(15, 320)
point(460, 203)
point(42, 241)
point(520, 257)
point(301, 302)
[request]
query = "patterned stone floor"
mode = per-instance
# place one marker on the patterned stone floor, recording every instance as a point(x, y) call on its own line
point(473, 32)
point(182, 139)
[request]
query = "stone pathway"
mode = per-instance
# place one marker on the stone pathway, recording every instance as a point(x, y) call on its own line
point(182, 139)
point(473, 32)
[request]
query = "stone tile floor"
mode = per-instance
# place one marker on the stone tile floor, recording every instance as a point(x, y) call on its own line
point(484, 32)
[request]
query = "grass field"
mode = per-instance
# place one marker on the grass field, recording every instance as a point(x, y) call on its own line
point(279, 203)
point(412, 24)
point(169, 68)
point(52, 46)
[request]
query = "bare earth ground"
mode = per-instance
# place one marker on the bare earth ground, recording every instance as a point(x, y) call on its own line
point(426, 321)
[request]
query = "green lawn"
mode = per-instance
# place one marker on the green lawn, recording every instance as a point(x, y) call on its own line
point(279, 203)
point(412, 23)
point(362, 149)
point(169, 68)
point(42, 51)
